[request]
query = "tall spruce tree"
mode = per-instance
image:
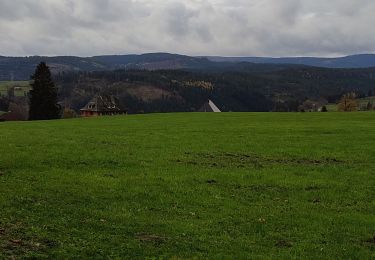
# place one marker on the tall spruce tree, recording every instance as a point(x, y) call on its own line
point(43, 96)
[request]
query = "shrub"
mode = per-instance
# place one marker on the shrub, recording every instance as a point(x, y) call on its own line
point(348, 103)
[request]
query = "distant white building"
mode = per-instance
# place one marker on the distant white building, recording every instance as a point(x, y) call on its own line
point(209, 107)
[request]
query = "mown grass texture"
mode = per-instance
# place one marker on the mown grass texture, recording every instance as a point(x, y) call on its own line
point(190, 185)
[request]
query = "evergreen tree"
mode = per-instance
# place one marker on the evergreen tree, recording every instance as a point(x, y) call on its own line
point(43, 96)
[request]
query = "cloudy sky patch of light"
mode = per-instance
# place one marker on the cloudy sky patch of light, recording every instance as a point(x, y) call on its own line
point(194, 27)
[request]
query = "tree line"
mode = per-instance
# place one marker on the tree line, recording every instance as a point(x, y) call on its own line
point(291, 90)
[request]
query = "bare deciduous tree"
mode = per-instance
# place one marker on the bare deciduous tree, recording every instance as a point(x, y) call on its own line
point(348, 103)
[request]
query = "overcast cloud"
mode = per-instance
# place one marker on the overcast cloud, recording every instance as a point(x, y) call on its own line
point(194, 27)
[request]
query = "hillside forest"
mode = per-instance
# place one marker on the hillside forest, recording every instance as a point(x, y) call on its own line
point(287, 89)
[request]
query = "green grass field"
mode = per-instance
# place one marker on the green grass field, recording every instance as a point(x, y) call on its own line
point(332, 107)
point(365, 101)
point(5, 85)
point(229, 185)
point(23, 83)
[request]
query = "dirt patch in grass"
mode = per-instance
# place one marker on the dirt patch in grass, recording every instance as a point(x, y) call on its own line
point(371, 240)
point(315, 200)
point(238, 160)
point(14, 243)
point(262, 188)
point(109, 175)
point(2, 232)
point(284, 244)
point(144, 237)
point(15, 248)
point(312, 188)
point(65, 163)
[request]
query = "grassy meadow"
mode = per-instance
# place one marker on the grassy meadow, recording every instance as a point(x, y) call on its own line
point(23, 83)
point(190, 185)
point(5, 85)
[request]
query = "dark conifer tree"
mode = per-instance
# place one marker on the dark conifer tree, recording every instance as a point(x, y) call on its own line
point(43, 96)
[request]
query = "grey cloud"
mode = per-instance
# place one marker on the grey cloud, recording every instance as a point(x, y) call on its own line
point(195, 27)
point(178, 19)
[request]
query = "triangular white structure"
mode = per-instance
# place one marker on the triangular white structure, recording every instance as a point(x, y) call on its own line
point(209, 107)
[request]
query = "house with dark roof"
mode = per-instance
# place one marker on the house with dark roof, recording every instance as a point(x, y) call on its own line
point(102, 105)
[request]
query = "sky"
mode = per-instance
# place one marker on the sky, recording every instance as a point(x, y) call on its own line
point(276, 28)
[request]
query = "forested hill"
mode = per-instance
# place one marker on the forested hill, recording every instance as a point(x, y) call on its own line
point(165, 82)
point(177, 90)
point(20, 68)
point(353, 61)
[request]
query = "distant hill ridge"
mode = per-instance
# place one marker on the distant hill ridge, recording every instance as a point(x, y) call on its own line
point(352, 61)
point(20, 68)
